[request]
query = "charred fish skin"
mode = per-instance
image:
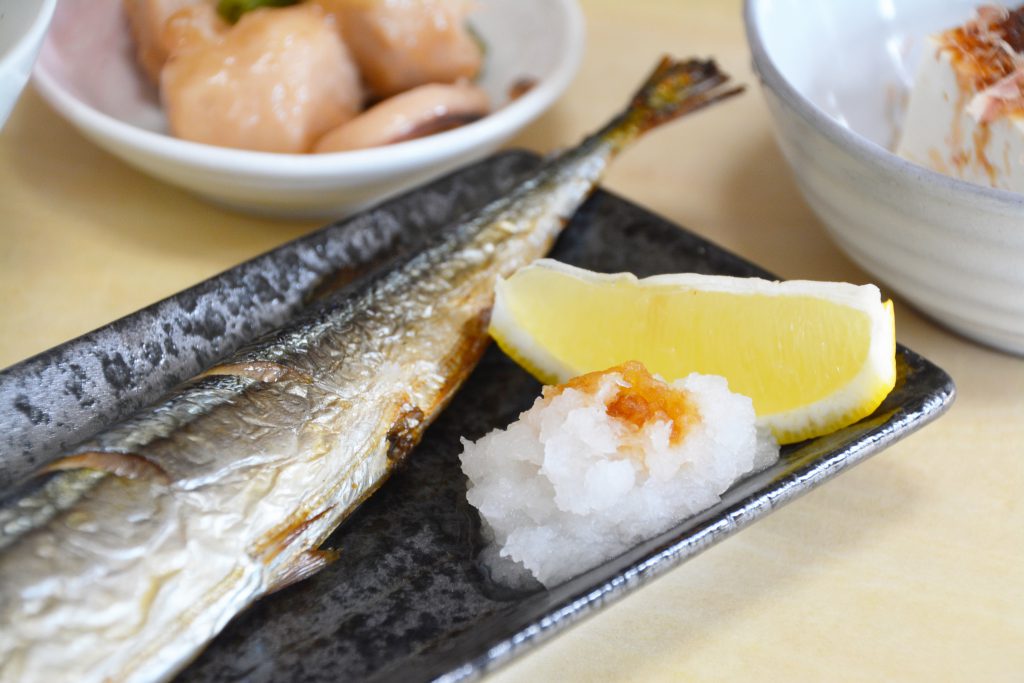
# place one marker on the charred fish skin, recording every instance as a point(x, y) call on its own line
point(138, 547)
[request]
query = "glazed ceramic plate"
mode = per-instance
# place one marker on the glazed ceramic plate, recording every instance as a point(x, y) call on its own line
point(407, 601)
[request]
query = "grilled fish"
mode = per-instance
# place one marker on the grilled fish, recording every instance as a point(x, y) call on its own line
point(126, 555)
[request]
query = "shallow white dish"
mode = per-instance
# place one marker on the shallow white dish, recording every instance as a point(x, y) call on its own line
point(22, 27)
point(831, 73)
point(86, 71)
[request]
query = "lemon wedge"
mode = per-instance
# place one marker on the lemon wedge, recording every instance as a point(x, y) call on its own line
point(813, 356)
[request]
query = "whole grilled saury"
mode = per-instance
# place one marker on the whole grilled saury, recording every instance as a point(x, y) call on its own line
point(124, 557)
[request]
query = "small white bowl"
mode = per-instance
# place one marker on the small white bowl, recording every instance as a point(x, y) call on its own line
point(22, 27)
point(86, 71)
point(830, 73)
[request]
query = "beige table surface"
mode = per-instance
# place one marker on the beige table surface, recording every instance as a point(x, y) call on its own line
point(908, 567)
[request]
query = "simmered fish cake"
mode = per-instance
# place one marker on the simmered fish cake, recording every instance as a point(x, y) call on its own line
point(276, 81)
point(400, 44)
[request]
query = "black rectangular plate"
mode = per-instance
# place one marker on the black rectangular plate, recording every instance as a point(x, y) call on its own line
point(406, 601)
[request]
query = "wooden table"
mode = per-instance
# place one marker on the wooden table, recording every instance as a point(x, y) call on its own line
point(909, 567)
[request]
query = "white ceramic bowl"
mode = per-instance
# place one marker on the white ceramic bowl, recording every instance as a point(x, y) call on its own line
point(22, 27)
point(86, 71)
point(830, 72)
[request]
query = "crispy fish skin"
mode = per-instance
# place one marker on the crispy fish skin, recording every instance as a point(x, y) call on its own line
point(129, 553)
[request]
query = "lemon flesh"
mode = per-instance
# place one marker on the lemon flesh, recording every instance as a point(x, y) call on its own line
point(813, 356)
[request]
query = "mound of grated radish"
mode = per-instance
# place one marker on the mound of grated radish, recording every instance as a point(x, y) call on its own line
point(603, 462)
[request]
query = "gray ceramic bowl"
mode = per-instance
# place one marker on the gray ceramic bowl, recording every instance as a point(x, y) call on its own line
point(830, 72)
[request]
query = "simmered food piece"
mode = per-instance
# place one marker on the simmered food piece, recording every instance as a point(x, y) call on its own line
point(400, 44)
point(276, 81)
point(147, 19)
point(415, 113)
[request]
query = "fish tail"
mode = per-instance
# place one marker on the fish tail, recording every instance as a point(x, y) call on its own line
point(673, 89)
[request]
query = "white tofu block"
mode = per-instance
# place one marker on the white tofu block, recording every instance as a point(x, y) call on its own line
point(939, 133)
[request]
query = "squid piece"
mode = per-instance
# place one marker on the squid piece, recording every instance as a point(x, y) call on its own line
point(401, 44)
point(147, 20)
point(415, 113)
point(276, 81)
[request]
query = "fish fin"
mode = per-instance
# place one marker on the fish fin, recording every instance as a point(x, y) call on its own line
point(302, 567)
point(673, 89)
point(259, 370)
point(126, 465)
point(405, 432)
point(408, 426)
point(287, 534)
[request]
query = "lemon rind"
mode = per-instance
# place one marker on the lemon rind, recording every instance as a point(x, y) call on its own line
point(511, 337)
point(857, 399)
